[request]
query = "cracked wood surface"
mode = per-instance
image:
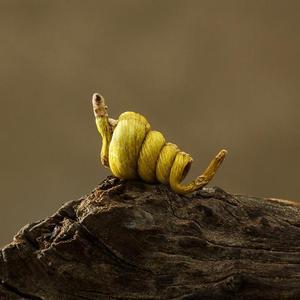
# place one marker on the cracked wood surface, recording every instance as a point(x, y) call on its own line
point(131, 240)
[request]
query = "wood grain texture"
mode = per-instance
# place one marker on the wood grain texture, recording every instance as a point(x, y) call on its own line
point(131, 240)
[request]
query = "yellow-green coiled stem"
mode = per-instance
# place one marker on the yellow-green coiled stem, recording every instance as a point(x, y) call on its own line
point(133, 151)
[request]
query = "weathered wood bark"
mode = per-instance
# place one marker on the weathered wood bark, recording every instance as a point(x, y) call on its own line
point(130, 240)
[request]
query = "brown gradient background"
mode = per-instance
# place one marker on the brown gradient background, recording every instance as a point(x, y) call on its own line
point(208, 74)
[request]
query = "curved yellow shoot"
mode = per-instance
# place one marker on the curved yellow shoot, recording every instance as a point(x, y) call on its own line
point(182, 165)
point(132, 150)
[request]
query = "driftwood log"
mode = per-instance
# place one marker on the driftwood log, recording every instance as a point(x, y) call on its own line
point(131, 240)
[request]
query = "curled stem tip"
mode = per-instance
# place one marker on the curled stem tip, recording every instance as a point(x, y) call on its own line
point(99, 107)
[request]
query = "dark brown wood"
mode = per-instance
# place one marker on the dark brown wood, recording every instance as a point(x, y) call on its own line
point(131, 240)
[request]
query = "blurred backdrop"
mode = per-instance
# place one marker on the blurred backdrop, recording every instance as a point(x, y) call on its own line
point(208, 74)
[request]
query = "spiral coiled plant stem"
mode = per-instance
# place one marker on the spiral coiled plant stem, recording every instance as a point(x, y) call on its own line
point(168, 167)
